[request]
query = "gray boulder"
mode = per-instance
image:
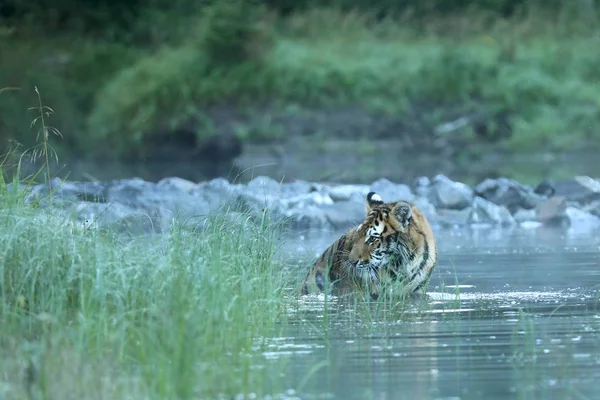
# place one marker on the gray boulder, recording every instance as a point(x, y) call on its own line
point(263, 185)
point(296, 188)
point(524, 216)
point(152, 198)
point(453, 218)
point(508, 193)
point(448, 194)
point(390, 191)
point(177, 184)
point(582, 220)
point(216, 193)
point(581, 189)
point(134, 205)
point(421, 186)
point(545, 188)
point(345, 192)
point(345, 214)
point(486, 212)
point(309, 218)
point(69, 192)
point(316, 199)
point(593, 208)
point(120, 217)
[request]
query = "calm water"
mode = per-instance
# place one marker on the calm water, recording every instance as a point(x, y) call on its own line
point(512, 314)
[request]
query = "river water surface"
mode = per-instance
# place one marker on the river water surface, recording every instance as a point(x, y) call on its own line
point(511, 314)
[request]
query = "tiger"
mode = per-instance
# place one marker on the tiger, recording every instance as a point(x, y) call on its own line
point(395, 243)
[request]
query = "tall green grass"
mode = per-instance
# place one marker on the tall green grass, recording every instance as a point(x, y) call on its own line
point(88, 315)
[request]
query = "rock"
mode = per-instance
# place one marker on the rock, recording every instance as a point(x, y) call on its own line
point(117, 216)
point(309, 218)
point(218, 184)
point(345, 214)
point(263, 185)
point(130, 192)
point(421, 186)
point(251, 203)
point(216, 192)
point(581, 189)
point(55, 182)
point(508, 193)
point(319, 187)
point(545, 188)
point(70, 192)
point(582, 220)
point(447, 194)
point(452, 218)
point(178, 184)
point(259, 194)
point(593, 208)
point(345, 192)
point(552, 212)
point(134, 205)
point(295, 188)
point(390, 191)
point(311, 199)
point(522, 216)
point(486, 212)
point(150, 198)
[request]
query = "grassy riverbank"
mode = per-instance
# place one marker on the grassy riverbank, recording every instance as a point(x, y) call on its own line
point(529, 81)
point(86, 314)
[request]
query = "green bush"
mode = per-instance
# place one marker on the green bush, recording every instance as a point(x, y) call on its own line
point(235, 33)
point(391, 73)
point(123, 100)
point(66, 73)
point(422, 8)
point(153, 93)
point(154, 97)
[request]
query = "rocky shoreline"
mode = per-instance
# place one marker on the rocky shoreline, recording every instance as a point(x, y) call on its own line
point(138, 206)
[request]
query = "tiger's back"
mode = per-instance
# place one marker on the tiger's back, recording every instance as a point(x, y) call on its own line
point(330, 266)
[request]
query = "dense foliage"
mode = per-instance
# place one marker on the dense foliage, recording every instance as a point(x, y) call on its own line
point(113, 16)
point(124, 75)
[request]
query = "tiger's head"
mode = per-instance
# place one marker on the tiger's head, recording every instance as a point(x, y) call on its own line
point(376, 238)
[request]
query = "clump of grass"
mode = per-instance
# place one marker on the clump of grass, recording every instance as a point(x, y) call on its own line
point(44, 149)
point(173, 318)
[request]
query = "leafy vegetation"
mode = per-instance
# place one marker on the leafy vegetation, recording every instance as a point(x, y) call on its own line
point(520, 74)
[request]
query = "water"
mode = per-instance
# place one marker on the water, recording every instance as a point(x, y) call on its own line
point(512, 314)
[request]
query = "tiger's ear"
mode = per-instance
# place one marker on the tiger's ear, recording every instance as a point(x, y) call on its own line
point(373, 200)
point(403, 213)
